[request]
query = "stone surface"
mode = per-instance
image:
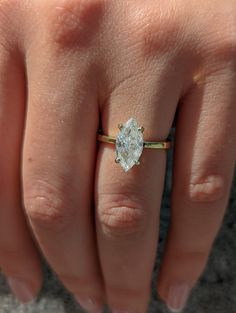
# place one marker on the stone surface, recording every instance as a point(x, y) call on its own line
point(215, 292)
point(129, 144)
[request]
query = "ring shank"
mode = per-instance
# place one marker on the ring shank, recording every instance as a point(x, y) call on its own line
point(146, 144)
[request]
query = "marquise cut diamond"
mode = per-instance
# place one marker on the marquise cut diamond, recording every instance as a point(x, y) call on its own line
point(129, 144)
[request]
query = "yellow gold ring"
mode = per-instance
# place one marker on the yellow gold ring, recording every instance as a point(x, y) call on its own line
point(130, 144)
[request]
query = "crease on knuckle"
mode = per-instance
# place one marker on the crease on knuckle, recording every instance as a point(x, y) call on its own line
point(159, 32)
point(208, 189)
point(122, 215)
point(79, 283)
point(11, 251)
point(6, 7)
point(227, 49)
point(185, 261)
point(223, 42)
point(180, 252)
point(74, 22)
point(46, 207)
point(126, 292)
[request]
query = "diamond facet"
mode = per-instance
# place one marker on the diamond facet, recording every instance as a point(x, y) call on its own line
point(129, 144)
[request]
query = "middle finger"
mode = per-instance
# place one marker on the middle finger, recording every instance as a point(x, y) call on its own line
point(58, 163)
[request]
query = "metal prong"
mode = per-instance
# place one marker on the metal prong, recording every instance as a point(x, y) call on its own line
point(137, 162)
point(117, 160)
point(141, 129)
point(120, 126)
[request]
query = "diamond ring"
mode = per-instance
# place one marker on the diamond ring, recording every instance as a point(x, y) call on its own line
point(130, 143)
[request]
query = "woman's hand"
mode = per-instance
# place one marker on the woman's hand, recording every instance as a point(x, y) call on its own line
point(65, 67)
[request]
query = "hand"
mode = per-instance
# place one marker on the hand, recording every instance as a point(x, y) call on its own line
point(77, 63)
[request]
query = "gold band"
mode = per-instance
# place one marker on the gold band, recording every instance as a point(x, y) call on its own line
point(146, 144)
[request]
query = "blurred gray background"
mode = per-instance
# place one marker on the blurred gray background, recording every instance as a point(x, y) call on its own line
point(215, 292)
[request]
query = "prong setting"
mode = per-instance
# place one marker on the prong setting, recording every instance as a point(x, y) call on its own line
point(137, 162)
point(120, 126)
point(117, 160)
point(141, 129)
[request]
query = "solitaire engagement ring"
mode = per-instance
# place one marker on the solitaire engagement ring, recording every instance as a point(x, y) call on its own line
point(130, 143)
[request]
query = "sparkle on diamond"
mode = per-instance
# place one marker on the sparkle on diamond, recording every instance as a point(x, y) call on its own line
point(129, 144)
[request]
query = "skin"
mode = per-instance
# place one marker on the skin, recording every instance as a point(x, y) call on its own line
point(68, 66)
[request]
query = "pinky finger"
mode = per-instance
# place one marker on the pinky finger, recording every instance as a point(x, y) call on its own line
point(203, 167)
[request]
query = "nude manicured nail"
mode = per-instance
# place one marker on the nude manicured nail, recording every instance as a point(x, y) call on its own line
point(177, 297)
point(89, 305)
point(21, 289)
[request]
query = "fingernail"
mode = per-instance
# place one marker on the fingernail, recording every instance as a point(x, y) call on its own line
point(90, 305)
point(177, 297)
point(20, 289)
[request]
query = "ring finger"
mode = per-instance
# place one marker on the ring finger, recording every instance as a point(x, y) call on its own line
point(128, 204)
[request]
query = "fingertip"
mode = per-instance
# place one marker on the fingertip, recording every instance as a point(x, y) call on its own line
point(22, 289)
point(90, 305)
point(175, 295)
point(25, 286)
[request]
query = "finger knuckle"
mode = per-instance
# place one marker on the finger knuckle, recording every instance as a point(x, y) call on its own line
point(10, 250)
point(226, 49)
point(6, 6)
point(47, 208)
point(74, 22)
point(157, 30)
point(182, 262)
point(223, 40)
point(81, 284)
point(6, 9)
point(128, 292)
point(208, 189)
point(122, 215)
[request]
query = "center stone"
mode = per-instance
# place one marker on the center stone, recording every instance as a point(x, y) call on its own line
point(129, 144)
